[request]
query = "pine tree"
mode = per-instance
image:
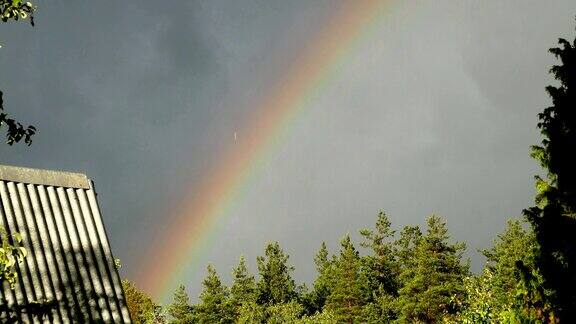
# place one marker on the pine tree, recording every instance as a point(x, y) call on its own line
point(275, 284)
point(347, 296)
point(214, 306)
point(382, 262)
point(410, 237)
point(554, 216)
point(243, 288)
point(180, 311)
point(435, 278)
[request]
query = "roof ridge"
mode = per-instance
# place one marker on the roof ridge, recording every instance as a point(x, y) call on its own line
point(44, 177)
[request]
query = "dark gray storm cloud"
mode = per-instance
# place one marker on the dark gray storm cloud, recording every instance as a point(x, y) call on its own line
point(434, 112)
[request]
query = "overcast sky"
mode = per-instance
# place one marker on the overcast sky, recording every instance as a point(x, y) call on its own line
point(434, 112)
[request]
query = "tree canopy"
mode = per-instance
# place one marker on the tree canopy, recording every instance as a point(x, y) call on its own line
point(413, 275)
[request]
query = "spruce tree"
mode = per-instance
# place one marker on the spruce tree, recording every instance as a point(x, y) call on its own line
point(554, 216)
point(180, 311)
point(214, 306)
point(435, 278)
point(275, 284)
point(243, 288)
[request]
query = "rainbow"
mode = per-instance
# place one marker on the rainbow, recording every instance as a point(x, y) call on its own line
point(211, 200)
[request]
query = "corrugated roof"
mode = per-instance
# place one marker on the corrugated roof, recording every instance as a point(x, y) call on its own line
point(70, 272)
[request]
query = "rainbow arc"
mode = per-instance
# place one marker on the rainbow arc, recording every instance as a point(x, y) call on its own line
point(212, 200)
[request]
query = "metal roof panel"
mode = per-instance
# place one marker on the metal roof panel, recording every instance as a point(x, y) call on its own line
point(70, 268)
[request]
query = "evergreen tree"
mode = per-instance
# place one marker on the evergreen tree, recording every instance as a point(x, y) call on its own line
point(554, 216)
point(180, 311)
point(382, 263)
point(347, 296)
point(498, 294)
point(214, 306)
point(410, 237)
point(276, 284)
point(514, 245)
point(322, 283)
point(321, 258)
point(243, 288)
point(435, 278)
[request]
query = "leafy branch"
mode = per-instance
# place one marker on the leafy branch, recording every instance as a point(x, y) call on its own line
point(10, 255)
point(15, 10)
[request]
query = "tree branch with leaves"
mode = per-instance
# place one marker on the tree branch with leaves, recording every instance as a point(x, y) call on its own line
point(14, 10)
point(11, 253)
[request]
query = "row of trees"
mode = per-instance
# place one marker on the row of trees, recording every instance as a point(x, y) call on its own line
point(410, 276)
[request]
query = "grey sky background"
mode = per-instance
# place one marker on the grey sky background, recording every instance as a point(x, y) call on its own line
point(433, 113)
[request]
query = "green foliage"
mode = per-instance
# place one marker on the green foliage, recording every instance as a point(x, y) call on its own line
point(251, 312)
point(381, 310)
point(406, 246)
point(11, 253)
point(140, 305)
point(515, 245)
point(347, 296)
point(276, 284)
point(554, 216)
point(436, 278)
point(382, 262)
point(16, 9)
point(243, 288)
point(180, 311)
point(214, 306)
point(322, 284)
point(481, 305)
point(431, 283)
point(509, 289)
point(324, 317)
point(289, 312)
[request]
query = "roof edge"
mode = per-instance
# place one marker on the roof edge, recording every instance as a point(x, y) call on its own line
point(44, 177)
